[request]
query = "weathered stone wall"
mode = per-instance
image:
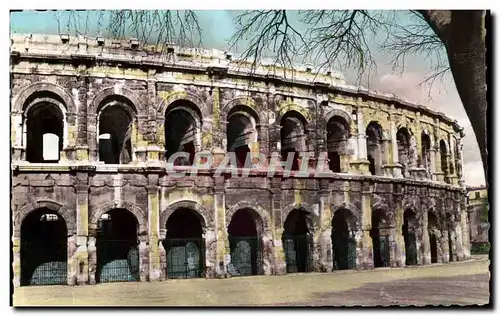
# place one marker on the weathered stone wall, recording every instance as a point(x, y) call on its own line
point(81, 189)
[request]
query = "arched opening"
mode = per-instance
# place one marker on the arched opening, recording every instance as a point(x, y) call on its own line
point(297, 242)
point(184, 245)
point(426, 153)
point(380, 239)
point(337, 130)
point(343, 242)
point(432, 227)
point(293, 139)
point(374, 147)
point(44, 128)
point(241, 133)
point(116, 119)
point(403, 141)
point(182, 129)
point(117, 247)
point(244, 244)
point(44, 249)
point(444, 158)
point(410, 238)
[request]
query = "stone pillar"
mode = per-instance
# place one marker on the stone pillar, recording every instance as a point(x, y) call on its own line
point(223, 257)
point(438, 174)
point(155, 272)
point(426, 249)
point(17, 136)
point(81, 256)
point(323, 235)
point(400, 247)
point(143, 248)
point(445, 245)
point(279, 254)
point(364, 249)
point(210, 238)
point(73, 267)
point(432, 170)
point(397, 169)
point(92, 257)
point(267, 252)
point(16, 261)
point(393, 247)
point(81, 101)
point(92, 134)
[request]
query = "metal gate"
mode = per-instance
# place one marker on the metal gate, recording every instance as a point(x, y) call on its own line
point(185, 257)
point(117, 261)
point(297, 253)
point(344, 252)
point(246, 256)
point(411, 249)
point(384, 250)
point(44, 263)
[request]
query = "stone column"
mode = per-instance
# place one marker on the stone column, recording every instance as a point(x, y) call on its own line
point(92, 257)
point(81, 100)
point(223, 257)
point(279, 254)
point(397, 172)
point(323, 234)
point(73, 267)
point(81, 256)
point(210, 238)
point(155, 271)
point(92, 134)
point(143, 248)
point(275, 141)
point(267, 252)
point(426, 255)
point(263, 140)
point(400, 247)
point(432, 169)
point(364, 244)
point(438, 174)
point(17, 136)
point(16, 260)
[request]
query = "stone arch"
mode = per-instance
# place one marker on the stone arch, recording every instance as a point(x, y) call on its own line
point(256, 207)
point(201, 211)
point(288, 107)
point(141, 217)
point(355, 222)
point(336, 112)
point(312, 218)
point(379, 203)
point(242, 101)
point(170, 97)
point(68, 216)
point(425, 131)
point(118, 91)
point(38, 87)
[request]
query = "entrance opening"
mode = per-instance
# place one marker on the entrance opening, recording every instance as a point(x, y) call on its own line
point(343, 242)
point(44, 131)
point(44, 249)
point(380, 241)
point(450, 245)
point(444, 158)
point(410, 238)
point(244, 244)
point(117, 247)
point(426, 153)
point(337, 130)
point(296, 242)
point(293, 139)
point(241, 133)
point(115, 132)
point(374, 147)
point(182, 121)
point(184, 245)
point(433, 230)
point(403, 141)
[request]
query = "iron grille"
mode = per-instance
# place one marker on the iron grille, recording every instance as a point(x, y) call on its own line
point(344, 253)
point(297, 253)
point(44, 263)
point(246, 257)
point(117, 261)
point(411, 249)
point(384, 251)
point(185, 257)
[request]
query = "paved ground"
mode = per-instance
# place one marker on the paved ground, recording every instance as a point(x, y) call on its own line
point(455, 283)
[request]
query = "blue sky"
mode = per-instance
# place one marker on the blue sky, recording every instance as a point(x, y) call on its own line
point(218, 26)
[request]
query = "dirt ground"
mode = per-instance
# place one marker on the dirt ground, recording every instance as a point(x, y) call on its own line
point(462, 283)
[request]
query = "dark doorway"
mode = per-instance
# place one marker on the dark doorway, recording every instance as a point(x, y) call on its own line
point(297, 243)
point(450, 245)
point(343, 243)
point(44, 249)
point(337, 134)
point(44, 133)
point(380, 242)
point(371, 167)
point(244, 244)
point(410, 237)
point(184, 245)
point(432, 227)
point(292, 136)
point(374, 147)
point(117, 247)
point(180, 131)
point(241, 133)
point(334, 161)
point(115, 133)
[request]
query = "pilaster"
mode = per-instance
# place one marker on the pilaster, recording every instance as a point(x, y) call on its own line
point(155, 271)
